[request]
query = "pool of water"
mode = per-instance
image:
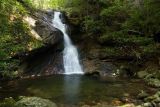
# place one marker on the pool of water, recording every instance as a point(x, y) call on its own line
point(73, 89)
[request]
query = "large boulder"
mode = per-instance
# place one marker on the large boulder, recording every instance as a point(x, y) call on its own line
point(34, 102)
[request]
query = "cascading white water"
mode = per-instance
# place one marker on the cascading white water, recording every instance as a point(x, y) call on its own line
point(70, 53)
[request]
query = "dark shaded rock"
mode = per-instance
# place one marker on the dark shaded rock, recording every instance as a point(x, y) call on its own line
point(126, 69)
point(106, 68)
point(73, 22)
point(98, 68)
point(94, 74)
point(157, 37)
point(34, 102)
point(127, 72)
point(43, 61)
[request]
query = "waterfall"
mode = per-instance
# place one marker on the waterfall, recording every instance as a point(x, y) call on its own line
point(70, 53)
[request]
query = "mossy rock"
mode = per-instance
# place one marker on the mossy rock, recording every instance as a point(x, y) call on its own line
point(154, 82)
point(154, 98)
point(8, 102)
point(142, 74)
point(34, 102)
point(142, 95)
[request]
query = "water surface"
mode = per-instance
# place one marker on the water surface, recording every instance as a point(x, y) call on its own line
point(72, 89)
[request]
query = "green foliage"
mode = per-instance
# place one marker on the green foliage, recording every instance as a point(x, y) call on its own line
point(113, 52)
point(92, 26)
point(145, 19)
point(14, 36)
point(14, 39)
point(114, 12)
point(120, 38)
point(8, 69)
point(56, 4)
point(111, 36)
point(120, 52)
point(114, 15)
point(150, 50)
point(6, 6)
point(9, 9)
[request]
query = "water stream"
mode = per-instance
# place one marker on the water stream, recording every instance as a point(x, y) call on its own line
point(70, 53)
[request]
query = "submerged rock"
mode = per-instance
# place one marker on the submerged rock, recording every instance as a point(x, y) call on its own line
point(142, 95)
point(34, 102)
point(102, 104)
point(154, 82)
point(151, 101)
point(155, 97)
point(148, 104)
point(128, 105)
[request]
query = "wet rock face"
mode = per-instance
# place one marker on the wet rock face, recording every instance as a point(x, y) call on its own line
point(43, 26)
point(48, 33)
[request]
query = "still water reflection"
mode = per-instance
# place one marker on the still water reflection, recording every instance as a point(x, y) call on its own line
point(72, 89)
